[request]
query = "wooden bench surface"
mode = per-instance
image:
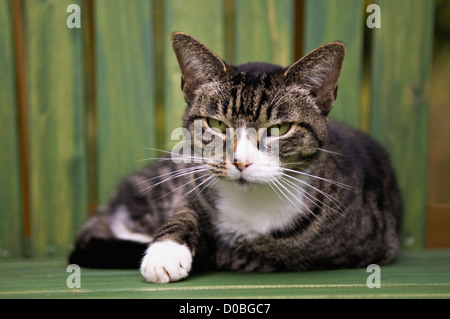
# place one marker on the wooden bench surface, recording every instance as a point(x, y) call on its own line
point(416, 274)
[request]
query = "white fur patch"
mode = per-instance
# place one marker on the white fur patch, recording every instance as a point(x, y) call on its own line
point(253, 211)
point(119, 227)
point(166, 261)
point(270, 203)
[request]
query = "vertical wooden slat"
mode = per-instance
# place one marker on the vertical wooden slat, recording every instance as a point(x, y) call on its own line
point(400, 96)
point(299, 28)
point(438, 193)
point(125, 89)
point(229, 13)
point(57, 147)
point(90, 104)
point(339, 20)
point(203, 19)
point(22, 114)
point(10, 197)
point(158, 57)
point(264, 31)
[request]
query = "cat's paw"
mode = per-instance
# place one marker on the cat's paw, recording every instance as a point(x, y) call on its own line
point(166, 261)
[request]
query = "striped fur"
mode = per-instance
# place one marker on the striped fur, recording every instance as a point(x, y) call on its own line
point(332, 200)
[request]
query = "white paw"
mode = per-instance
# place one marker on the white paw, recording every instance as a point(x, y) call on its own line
point(166, 261)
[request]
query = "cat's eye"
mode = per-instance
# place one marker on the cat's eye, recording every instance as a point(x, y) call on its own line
point(279, 129)
point(221, 126)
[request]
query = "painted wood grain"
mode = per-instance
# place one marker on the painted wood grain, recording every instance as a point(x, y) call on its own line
point(416, 274)
point(264, 31)
point(339, 20)
point(204, 20)
point(400, 94)
point(57, 147)
point(125, 89)
point(10, 197)
point(126, 57)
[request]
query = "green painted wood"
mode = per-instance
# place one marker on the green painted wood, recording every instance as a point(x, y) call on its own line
point(56, 124)
point(418, 274)
point(204, 20)
point(400, 93)
point(264, 31)
point(125, 94)
point(125, 89)
point(10, 199)
point(339, 20)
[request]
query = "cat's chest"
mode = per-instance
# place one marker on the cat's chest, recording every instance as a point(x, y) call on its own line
point(248, 213)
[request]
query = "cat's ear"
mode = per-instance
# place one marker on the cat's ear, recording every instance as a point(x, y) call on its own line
point(198, 64)
point(319, 71)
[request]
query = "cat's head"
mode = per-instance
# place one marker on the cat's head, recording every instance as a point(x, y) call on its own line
point(250, 121)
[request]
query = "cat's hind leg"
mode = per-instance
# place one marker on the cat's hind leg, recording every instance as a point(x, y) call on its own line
point(105, 241)
point(120, 225)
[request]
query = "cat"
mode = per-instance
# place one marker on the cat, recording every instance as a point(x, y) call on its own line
point(326, 199)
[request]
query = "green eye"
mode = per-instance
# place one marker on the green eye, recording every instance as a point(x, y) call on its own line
point(283, 128)
point(221, 126)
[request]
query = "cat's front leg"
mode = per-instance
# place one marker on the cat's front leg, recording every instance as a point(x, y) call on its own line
point(166, 261)
point(169, 257)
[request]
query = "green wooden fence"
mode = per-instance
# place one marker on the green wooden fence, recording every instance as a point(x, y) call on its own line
point(78, 107)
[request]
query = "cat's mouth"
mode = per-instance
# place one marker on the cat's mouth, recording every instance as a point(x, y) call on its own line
point(243, 182)
point(246, 183)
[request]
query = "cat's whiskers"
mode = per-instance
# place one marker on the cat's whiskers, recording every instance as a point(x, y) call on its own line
point(187, 183)
point(210, 184)
point(160, 159)
point(298, 199)
point(335, 201)
point(286, 187)
point(279, 187)
point(315, 201)
point(181, 170)
point(209, 178)
point(347, 187)
point(173, 175)
point(329, 152)
point(272, 184)
point(175, 156)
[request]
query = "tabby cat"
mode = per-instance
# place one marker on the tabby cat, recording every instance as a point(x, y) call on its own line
point(327, 198)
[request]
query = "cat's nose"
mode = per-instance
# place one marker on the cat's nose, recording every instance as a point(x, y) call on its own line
point(242, 165)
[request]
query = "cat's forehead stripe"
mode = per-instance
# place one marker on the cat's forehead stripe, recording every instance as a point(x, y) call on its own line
point(248, 97)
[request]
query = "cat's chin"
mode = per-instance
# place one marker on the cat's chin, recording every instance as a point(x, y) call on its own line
point(244, 184)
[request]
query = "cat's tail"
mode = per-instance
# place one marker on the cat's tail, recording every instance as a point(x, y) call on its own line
point(108, 253)
point(97, 247)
